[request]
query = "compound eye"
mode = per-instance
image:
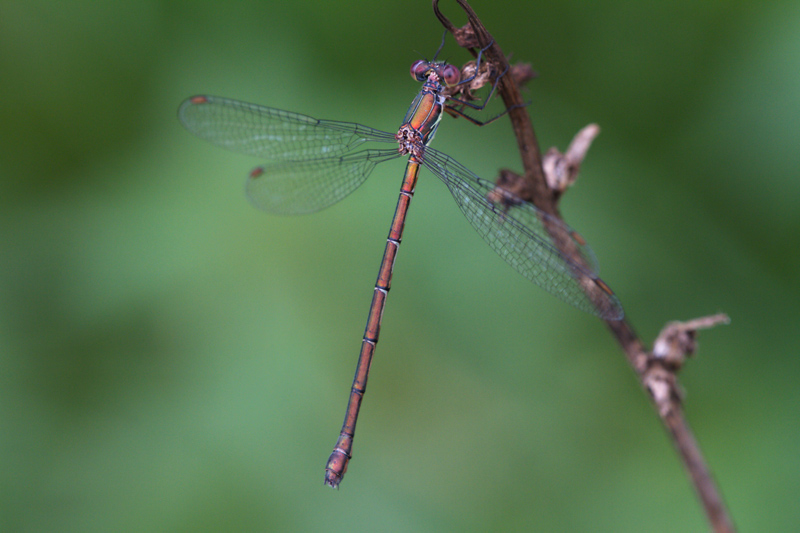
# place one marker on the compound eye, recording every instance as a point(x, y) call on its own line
point(419, 70)
point(451, 75)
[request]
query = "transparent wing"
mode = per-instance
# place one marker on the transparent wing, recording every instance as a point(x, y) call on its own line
point(528, 239)
point(297, 188)
point(272, 133)
point(318, 164)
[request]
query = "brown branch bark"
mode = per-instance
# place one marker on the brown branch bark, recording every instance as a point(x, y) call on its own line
point(656, 370)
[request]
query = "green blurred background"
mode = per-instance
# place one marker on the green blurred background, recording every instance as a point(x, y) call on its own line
point(173, 360)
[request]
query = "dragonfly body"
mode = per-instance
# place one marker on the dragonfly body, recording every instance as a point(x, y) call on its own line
point(418, 129)
point(319, 162)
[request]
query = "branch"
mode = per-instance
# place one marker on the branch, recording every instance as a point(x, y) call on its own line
point(542, 184)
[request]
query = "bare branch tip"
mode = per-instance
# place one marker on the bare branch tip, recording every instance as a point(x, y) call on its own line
point(581, 143)
point(561, 170)
point(677, 341)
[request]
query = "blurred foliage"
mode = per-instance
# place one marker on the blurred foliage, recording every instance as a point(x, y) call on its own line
point(173, 360)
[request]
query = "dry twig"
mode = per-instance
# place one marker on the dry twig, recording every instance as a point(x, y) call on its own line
point(542, 184)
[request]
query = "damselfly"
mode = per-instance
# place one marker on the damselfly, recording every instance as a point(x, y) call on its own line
point(319, 162)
